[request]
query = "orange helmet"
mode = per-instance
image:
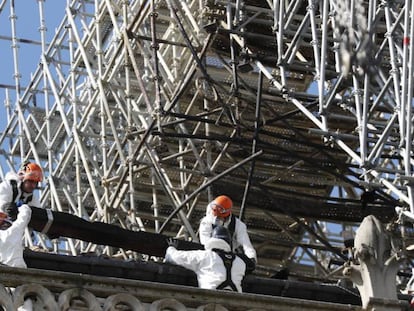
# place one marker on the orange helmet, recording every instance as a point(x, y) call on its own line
point(221, 206)
point(31, 171)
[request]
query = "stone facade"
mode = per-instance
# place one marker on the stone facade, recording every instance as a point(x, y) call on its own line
point(52, 290)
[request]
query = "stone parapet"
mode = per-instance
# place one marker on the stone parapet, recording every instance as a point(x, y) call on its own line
point(53, 290)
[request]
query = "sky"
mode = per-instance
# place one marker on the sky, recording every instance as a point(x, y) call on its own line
point(27, 25)
point(27, 20)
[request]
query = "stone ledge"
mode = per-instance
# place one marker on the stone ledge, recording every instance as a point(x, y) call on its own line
point(87, 292)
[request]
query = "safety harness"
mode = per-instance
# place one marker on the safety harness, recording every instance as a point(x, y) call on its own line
point(228, 258)
point(16, 192)
point(26, 200)
point(232, 225)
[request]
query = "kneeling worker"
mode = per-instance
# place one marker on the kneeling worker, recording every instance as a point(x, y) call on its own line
point(217, 267)
point(219, 212)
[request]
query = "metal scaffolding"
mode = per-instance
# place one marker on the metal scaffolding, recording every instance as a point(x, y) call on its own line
point(142, 111)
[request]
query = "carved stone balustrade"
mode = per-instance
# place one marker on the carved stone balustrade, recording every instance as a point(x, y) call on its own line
point(54, 290)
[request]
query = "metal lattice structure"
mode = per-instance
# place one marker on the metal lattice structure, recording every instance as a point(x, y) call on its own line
point(142, 111)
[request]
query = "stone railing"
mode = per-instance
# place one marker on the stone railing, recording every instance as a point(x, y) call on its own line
point(52, 290)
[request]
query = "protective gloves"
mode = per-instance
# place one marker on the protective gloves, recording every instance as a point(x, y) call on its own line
point(11, 210)
point(172, 242)
point(250, 262)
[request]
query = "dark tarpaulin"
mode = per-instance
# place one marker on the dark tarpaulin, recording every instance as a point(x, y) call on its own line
point(71, 226)
point(173, 274)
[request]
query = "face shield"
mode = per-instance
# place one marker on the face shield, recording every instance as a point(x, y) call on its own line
point(219, 211)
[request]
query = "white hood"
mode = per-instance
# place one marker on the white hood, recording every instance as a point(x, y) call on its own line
point(217, 243)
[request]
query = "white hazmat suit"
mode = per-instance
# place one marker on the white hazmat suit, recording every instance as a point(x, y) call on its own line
point(240, 237)
point(11, 246)
point(6, 192)
point(208, 265)
point(11, 239)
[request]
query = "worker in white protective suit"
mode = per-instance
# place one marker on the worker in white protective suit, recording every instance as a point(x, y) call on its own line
point(219, 212)
point(18, 188)
point(11, 242)
point(217, 267)
point(11, 238)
